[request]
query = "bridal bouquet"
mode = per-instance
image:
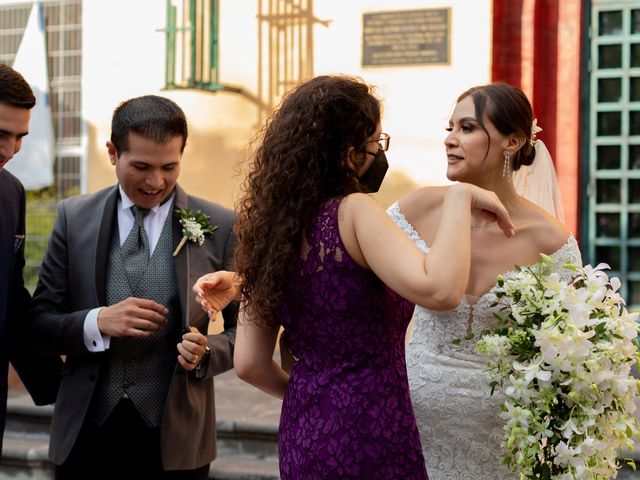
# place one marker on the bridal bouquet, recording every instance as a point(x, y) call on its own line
point(562, 354)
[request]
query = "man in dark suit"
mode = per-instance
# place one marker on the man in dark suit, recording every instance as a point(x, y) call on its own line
point(40, 374)
point(114, 296)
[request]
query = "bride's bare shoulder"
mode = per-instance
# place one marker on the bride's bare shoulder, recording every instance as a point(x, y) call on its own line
point(423, 200)
point(546, 231)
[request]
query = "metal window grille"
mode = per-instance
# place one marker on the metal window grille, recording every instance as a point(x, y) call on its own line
point(613, 188)
point(285, 33)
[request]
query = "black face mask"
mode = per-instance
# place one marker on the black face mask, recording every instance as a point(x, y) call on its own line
point(373, 177)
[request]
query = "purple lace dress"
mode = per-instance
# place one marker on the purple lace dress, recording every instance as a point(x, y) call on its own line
point(347, 411)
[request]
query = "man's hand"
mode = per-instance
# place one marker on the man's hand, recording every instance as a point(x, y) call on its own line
point(214, 291)
point(133, 317)
point(191, 349)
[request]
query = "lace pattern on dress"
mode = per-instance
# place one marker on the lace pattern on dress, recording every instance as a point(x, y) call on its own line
point(399, 219)
point(347, 411)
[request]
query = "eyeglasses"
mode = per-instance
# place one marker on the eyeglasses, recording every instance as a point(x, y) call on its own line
point(383, 141)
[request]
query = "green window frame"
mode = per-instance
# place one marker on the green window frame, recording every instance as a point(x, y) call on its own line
point(612, 194)
point(192, 45)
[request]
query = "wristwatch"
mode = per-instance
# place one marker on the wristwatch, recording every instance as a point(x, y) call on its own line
point(201, 369)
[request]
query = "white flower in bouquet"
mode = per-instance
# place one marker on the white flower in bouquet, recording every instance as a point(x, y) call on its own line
point(562, 353)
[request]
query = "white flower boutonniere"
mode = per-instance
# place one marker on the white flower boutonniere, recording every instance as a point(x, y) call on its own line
point(194, 227)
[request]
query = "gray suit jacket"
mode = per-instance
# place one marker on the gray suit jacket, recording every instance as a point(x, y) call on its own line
point(72, 282)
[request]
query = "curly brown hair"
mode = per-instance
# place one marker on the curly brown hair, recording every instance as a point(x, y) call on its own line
point(298, 165)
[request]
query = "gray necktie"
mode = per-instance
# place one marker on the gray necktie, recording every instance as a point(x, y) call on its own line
point(135, 249)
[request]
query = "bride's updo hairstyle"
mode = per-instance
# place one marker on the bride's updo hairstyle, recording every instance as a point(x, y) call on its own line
point(299, 163)
point(508, 108)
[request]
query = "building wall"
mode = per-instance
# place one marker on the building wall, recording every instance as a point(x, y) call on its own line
point(124, 56)
point(124, 51)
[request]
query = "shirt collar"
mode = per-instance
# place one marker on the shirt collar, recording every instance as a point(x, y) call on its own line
point(126, 203)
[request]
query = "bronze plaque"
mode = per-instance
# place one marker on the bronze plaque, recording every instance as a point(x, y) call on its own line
point(406, 37)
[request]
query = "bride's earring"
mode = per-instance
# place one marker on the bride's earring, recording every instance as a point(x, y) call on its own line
point(507, 165)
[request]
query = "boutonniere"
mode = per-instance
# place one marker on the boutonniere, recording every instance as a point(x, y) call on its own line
point(194, 227)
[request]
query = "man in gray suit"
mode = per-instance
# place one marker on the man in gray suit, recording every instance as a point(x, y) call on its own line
point(114, 296)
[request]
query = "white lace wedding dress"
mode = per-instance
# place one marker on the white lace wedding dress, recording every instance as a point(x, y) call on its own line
point(458, 419)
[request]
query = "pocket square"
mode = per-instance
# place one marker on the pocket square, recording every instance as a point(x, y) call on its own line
point(17, 243)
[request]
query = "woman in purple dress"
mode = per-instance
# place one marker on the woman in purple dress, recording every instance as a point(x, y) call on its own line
point(319, 257)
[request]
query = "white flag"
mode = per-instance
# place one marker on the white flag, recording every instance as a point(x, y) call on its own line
point(33, 164)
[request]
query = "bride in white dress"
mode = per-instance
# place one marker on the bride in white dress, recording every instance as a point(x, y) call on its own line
point(489, 138)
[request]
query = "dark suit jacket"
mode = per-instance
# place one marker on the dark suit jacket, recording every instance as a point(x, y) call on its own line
point(39, 373)
point(72, 282)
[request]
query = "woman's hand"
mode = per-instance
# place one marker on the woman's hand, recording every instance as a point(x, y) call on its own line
point(214, 291)
point(491, 205)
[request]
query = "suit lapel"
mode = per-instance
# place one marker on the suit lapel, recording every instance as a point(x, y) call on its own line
point(104, 241)
point(181, 261)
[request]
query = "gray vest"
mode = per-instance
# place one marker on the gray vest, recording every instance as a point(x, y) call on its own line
point(141, 368)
